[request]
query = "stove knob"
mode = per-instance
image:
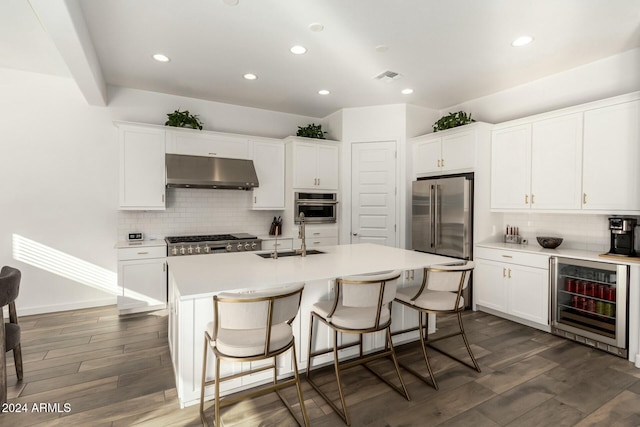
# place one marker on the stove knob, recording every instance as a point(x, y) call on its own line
point(229, 247)
point(182, 250)
point(174, 251)
point(206, 249)
point(198, 249)
point(254, 245)
point(239, 246)
point(247, 247)
point(190, 250)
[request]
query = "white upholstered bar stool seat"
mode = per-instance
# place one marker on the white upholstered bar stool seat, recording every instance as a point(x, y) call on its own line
point(251, 327)
point(361, 305)
point(440, 293)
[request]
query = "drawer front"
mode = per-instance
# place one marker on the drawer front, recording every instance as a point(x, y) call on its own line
point(142, 252)
point(283, 244)
point(513, 257)
point(319, 232)
point(313, 241)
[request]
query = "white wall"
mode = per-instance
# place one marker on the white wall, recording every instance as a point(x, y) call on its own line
point(612, 76)
point(59, 180)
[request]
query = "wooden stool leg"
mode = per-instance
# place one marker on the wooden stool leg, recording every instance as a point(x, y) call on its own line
point(17, 358)
point(3, 360)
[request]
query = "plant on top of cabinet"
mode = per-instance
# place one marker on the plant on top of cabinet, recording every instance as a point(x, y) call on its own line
point(183, 119)
point(311, 131)
point(452, 120)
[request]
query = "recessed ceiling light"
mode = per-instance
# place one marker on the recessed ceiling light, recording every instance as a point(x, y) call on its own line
point(161, 58)
point(316, 27)
point(298, 50)
point(407, 91)
point(381, 48)
point(324, 92)
point(522, 41)
point(250, 76)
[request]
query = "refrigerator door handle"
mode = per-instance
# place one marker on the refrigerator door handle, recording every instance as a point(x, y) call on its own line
point(432, 208)
point(436, 217)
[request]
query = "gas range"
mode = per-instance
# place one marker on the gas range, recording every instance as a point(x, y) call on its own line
point(212, 243)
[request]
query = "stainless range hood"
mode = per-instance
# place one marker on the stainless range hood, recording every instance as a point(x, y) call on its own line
point(210, 172)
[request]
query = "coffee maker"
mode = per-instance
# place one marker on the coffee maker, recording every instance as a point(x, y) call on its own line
point(622, 236)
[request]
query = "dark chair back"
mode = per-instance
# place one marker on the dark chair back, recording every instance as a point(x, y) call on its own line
point(9, 285)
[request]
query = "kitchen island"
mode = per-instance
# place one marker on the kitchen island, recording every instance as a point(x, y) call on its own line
point(194, 280)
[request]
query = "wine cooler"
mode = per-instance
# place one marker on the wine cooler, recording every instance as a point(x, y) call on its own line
point(589, 303)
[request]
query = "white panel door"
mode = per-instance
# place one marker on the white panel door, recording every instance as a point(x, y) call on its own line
point(373, 193)
point(328, 166)
point(511, 167)
point(305, 165)
point(268, 159)
point(427, 156)
point(458, 151)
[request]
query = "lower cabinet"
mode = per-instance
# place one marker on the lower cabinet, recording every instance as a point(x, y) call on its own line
point(142, 279)
point(513, 283)
point(318, 235)
point(285, 244)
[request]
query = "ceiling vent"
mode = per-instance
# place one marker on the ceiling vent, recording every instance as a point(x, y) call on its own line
point(387, 76)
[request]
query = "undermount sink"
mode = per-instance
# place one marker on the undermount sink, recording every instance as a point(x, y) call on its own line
point(290, 253)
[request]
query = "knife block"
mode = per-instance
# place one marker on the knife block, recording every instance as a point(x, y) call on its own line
point(513, 238)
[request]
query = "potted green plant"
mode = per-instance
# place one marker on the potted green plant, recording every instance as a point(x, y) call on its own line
point(183, 119)
point(311, 131)
point(452, 120)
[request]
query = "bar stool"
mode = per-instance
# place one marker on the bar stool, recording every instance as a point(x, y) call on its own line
point(439, 293)
point(251, 327)
point(9, 332)
point(362, 305)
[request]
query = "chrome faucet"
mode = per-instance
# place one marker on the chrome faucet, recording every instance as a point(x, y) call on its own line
point(301, 235)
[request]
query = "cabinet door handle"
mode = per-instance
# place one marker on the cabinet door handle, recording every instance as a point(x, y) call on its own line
point(533, 200)
point(163, 198)
point(442, 162)
point(509, 273)
point(507, 256)
point(526, 199)
point(164, 266)
point(276, 244)
point(143, 253)
point(255, 199)
point(316, 243)
point(584, 198)
point(213, 154)
point(318, 181)
point(438, 162)
point(504, 272)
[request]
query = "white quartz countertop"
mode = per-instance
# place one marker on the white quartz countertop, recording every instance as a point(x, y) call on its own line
point(198, 276)
point(560, 252)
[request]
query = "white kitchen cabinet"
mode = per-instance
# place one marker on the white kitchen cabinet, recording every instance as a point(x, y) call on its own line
point(512, 283)
point(280, 244)
point(611, 158)
point(207, 143)
point(314, 164)
point(268, 159)
point(511, 167)
point(556, 163)
point(142, 278)
point(447, 151)
point(538, 165)
point(142, 170)
point(318, 235)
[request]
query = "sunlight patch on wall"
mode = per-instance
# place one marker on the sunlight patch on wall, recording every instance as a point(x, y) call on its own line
point(70, 267)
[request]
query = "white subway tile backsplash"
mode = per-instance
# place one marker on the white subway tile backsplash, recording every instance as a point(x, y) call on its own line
point(589, 232)
point(198, 211)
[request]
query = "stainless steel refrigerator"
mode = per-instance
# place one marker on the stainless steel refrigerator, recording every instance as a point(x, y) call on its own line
point(442, 215)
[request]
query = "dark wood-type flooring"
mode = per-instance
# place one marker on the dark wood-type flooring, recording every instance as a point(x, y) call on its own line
point(116, 371)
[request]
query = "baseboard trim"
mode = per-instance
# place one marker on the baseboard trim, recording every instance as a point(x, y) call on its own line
point(43, 309)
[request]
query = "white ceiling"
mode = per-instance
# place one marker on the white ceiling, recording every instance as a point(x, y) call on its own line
point(447, 51)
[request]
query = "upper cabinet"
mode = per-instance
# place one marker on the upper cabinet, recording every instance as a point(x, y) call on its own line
point(315, 164)
point(268, 159)
point(579, 159)
point(611, 158)
point(538, 165)
point(210, 144)
point(444, 152)
point(142, 170)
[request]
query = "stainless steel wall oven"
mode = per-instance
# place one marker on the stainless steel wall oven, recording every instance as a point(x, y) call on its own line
point(316, 207)
point(589, 303)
